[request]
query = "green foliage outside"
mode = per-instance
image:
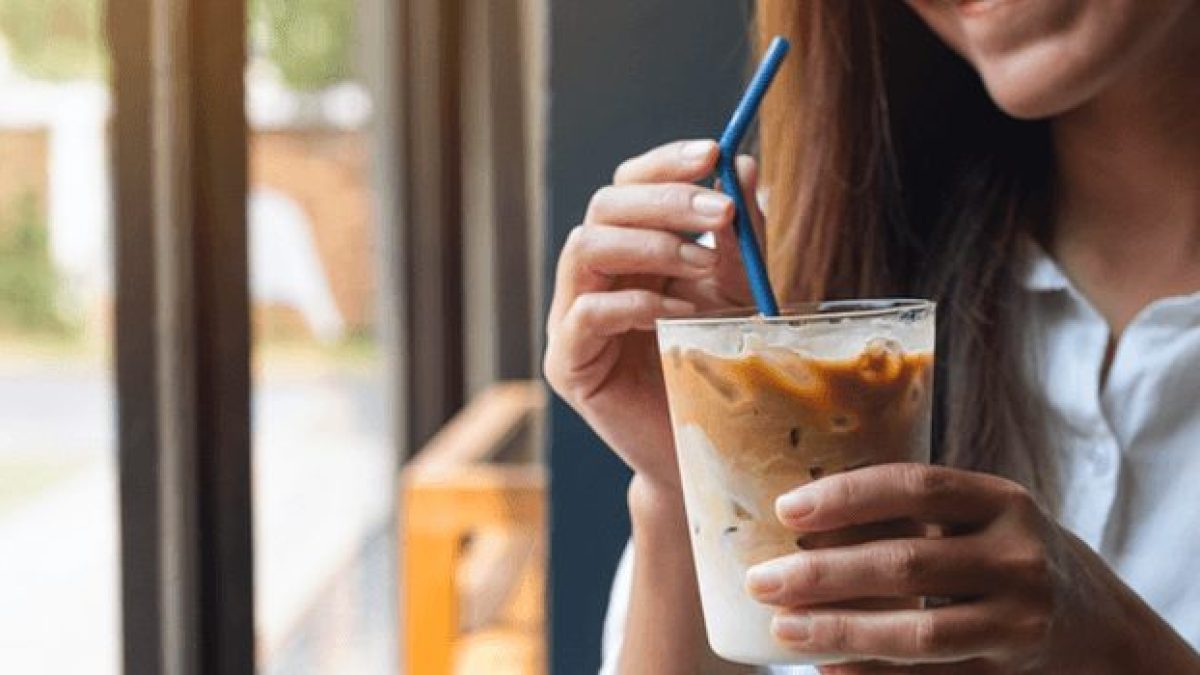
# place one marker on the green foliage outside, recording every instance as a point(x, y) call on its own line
point(28, 281)
point(310, 41)
point(55, 39)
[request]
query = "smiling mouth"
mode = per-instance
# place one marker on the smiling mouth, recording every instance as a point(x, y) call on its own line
point(978, 7)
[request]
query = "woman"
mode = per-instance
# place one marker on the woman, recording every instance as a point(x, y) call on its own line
point(1035, 168)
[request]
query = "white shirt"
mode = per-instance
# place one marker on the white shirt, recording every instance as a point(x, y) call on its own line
point(1129, 452)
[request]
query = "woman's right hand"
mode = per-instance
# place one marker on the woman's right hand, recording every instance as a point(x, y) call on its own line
point(627, 265)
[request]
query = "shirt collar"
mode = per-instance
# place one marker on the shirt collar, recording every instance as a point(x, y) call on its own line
point(1040, 272)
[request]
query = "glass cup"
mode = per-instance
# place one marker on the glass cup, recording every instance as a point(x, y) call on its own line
point(760, 406)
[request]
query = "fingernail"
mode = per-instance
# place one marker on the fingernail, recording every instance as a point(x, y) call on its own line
point(710, 204)
point(792, 627)
point(764, 581)
point(795, 505)
point(675, 306)
point(698, 256)
point(693, 151)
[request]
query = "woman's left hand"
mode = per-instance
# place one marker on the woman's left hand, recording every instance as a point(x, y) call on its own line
point(1024, 594)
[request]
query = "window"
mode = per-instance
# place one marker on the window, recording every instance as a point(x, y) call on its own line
point(323, 248)
point(58, 508)
point(323, 451)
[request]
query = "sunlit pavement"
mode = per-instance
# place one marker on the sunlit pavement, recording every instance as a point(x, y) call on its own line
point(58, 580)
point(323, 486)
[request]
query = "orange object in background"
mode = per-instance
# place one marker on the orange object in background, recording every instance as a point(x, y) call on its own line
point(473, 543)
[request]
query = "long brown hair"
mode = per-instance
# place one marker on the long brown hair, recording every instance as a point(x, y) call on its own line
point(891, 172)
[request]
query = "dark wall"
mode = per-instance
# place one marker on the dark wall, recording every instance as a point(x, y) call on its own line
point(624, 76)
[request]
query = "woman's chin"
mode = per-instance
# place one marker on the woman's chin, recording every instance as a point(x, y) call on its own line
point(1031, 91)
point(1028, 105)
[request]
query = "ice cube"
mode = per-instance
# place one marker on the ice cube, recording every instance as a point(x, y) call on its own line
point(727, 389)
point(791, 368)
point(881, 360)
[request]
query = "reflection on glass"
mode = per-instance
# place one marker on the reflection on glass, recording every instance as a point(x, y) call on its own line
point(322, 459)
point(59, 592)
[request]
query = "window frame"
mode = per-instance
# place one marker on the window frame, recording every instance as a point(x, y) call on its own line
point(180, 166)
point(182, 335)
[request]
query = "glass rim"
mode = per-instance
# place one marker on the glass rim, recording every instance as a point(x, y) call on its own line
point(809, 312)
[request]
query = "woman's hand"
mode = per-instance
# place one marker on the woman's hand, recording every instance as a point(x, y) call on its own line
point(627, 265)
point(1023, 594)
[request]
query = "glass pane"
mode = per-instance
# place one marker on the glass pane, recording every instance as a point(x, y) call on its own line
point(59, 582)
point(323, 458)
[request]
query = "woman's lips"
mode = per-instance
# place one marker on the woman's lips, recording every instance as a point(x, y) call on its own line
point(979, 7)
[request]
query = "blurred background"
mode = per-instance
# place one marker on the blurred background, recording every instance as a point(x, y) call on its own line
point(411, 168)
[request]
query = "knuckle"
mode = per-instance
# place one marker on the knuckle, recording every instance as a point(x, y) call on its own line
point(653, 247)
point(600, 200)
point(583, 313)
point(1030, 564)
point(1022, 505)
point(807, 574)
point(928, 483)
point(624, 169)
point(1033, 628)
point(578, 238)
point(671, 198)
point(640, 302)
point(929, 635)
point(831, 497)
point(832, 633)
point(906, 565)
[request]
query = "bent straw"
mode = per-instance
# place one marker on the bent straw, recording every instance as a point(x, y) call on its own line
point(731, 140)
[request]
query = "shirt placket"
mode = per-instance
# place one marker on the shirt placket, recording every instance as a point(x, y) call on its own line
point(1099, 447)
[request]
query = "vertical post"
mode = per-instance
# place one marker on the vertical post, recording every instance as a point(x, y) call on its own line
point(433, 218)
point(142, 582)
point(183, 335)
point(496, 233)
point(220, 322)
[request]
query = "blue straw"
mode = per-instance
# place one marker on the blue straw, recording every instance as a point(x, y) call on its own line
point(731, 140)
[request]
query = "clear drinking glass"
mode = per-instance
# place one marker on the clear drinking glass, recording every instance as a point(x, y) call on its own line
point(760, 406)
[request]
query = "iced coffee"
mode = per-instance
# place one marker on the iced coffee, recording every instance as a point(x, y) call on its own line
point(761, 406)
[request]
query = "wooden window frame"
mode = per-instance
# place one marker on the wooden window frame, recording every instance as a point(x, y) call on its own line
point(182, 336)
point(469, 242)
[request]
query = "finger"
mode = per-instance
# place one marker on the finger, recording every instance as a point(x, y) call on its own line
point(967, 667)
point(931, 494)
point(748, 178)
point(881, 569)
point(594, 254)
point(681, 162)
point(679, 207)
point(593, 320)
point(946, 634)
